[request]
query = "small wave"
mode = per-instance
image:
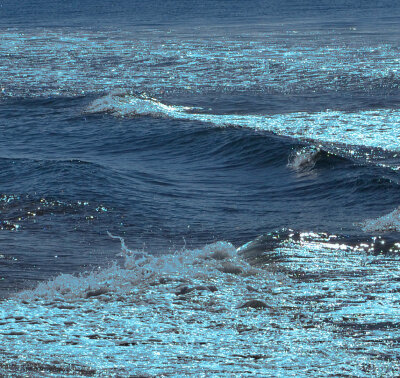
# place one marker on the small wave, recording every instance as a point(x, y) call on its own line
point(123, 105)
point(385, 223)
point(373, 129)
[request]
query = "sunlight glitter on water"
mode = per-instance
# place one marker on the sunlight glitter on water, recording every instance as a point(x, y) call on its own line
point(306, 308)
point(74, 62)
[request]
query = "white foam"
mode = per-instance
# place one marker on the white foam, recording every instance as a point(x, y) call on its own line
point(385, 223)
point(185, 316)
point(140, 267)
point(365, 128)
point(304, 159)
point(122, 105)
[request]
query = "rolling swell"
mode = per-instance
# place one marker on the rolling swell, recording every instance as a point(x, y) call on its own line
point(366, 162)
point(370, 128)
point(175, 153)
point(185, 165)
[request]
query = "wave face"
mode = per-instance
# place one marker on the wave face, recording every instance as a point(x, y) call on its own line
point(199, 188)
point(373, 128)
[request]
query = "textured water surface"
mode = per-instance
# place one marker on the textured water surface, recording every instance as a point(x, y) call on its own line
point(199, 188)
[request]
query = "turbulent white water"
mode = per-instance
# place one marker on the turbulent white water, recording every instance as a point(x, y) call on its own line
point(208, 311)
point(322, 78)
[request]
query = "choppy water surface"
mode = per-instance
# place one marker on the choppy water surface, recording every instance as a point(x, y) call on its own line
point(199, 189)
point(310, 305)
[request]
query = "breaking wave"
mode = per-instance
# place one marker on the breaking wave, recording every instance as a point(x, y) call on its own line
point(304, 159)
point(211, 309)
point(371, 128)
point(138, 267)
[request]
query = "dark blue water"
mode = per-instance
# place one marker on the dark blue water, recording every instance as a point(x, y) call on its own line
point(176, 124)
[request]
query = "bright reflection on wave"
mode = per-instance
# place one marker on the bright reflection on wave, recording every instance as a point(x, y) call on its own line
point(364, 128)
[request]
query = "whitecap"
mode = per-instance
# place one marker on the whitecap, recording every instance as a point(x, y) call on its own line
point(373, 129)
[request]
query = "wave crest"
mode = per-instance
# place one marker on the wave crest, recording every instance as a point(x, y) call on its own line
point(372, 129)
point(304, 159)
point(138, 268)
point(125, 105)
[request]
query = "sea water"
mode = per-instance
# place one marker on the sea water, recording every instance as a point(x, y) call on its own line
point(199, 188)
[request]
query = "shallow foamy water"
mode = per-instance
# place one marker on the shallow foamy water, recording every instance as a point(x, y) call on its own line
point(306, 306)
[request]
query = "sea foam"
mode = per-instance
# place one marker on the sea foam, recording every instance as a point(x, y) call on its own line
point(385, 223)
point(184, 314)
point(139, 267)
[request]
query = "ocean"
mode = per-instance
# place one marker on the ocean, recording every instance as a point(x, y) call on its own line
point(199, 188)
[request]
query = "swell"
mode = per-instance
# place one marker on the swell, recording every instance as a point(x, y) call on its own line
point(181, 156)
point(53, 176)
point(355, 155)
point(371, 129)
